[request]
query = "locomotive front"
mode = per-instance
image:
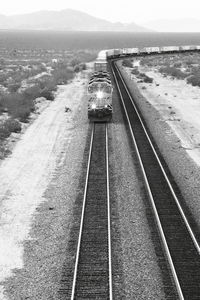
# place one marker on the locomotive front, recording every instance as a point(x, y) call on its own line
point(100, 94)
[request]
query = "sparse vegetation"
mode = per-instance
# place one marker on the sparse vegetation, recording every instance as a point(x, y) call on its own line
point(144, 77)
point(127, 63)
point(8, 126)
point(62, 75)
point(181, 66)
point(194, 80)
point(26, 75)
point(17, 105)
point(135, 71)
point(172, 71)
point(13, 125)
point(148, 79)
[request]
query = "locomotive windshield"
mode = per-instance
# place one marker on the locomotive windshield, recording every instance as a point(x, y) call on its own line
point(103, 87)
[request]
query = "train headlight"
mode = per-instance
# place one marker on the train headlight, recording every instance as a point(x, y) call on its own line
point(99, 94)
point(93, 105)
point(106, 105)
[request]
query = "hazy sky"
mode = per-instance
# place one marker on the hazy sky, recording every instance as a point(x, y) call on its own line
point(113, 10)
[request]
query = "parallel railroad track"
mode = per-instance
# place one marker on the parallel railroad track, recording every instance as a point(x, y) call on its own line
point(179, 243)
point(92, 272)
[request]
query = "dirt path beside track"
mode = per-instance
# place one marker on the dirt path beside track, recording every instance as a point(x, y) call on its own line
point(26, 174)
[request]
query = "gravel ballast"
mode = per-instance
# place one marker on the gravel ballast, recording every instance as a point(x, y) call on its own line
point(136, 267)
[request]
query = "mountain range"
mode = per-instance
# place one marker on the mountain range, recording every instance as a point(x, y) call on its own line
point(67, 19)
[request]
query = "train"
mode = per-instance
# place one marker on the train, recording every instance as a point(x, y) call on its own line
point(99, 91)
point(100, 88)
point(117, 53)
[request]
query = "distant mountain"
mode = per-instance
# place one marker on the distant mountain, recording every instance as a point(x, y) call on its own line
point(174, 25)
point(67, 19)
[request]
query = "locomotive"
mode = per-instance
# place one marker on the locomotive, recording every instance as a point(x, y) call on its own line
point(100, 92)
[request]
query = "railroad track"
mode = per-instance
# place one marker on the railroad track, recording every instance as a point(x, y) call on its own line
point(93, 271)
point(179, 243)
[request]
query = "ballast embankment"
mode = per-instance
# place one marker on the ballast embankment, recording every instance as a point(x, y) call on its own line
point(182, 167)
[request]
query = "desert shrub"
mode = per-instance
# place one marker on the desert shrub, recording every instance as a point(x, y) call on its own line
point(13, 87)
point(83, 66)
point(177, 64)
point(86, 56)
point(17, 105)
point(190, 61)
point(172, 71)
point(165, 63)
point(23, 114)
point(145, 78)
point(147, 61)
point(48, 83)
point(3, 78)
point(77, 69)
point(148, 79)
point(51, 85)
point(194, 80)
point(143, 75)
point(43, 88)
point(48, 94)
point(194, 70)
point(74, 62)
point(127, 63)
point(32, 92)
point(4, 151)
point(13, 125)
point(144, 61)
point(135, 71)
point(4, 132)
point(61, 76)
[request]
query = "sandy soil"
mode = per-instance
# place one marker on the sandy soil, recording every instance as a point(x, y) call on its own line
point(25, 175)
point(179, 104)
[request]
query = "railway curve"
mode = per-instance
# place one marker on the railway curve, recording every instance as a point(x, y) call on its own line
point(179, 242)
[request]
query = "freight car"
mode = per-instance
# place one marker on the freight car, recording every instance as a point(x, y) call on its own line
point(119, 53)
point(100, 93)
point(151, 50)
point(110, 53)
point(100, 65)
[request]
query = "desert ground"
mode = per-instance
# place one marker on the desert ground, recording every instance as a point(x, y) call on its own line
point(178, 103)
point(40, 186)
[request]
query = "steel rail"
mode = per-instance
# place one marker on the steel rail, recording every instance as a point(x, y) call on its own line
point(109, 219)
point(163, 171)
point(163, 238)
point(83, 214)
point(82, 217)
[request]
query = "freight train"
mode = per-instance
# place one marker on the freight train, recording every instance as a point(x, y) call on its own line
point(100, 91)
point(117, 53)
point(100, 87)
